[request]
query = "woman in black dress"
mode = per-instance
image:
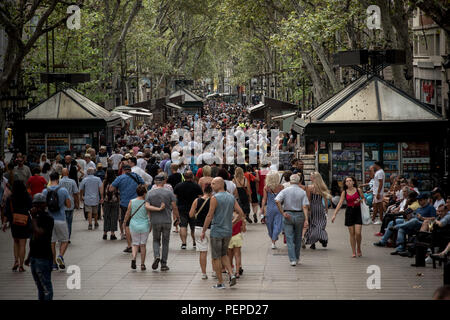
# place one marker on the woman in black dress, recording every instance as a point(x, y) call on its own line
point(18, 203)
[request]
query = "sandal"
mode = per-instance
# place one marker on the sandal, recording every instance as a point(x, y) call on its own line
point(143, 268)
point(14, 268)
point(21, 269)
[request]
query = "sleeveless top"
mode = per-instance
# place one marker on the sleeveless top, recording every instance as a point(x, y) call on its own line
point(140, 222)
point(351, 199)
point(243, 196)
point(200, 220)
point(222, 222)
point(262, 181)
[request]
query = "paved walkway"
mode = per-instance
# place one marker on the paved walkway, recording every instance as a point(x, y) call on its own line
point(328, 273)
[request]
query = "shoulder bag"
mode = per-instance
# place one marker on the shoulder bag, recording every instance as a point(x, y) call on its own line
point(201, 208)
point(19, 219)
point(135, 211)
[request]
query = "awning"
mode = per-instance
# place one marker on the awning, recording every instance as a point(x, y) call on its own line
point(174, 106)
point(256, 107)
point(285, 116)
point(140, 113)
point(124, 116)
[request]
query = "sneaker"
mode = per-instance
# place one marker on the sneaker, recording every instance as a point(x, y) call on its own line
point(218, 286)
point(248, 220)
point(255, 218)
point(428, 260)
point(241, 271)
point(313, 246)
point(274, 246)
point(105, 237)
point(165, 268)
point(194, 245)
point(204, 276)
point(232, 281)
point(324, 243)
point(60, 261)
point(55, 267)
point(127, 250)
point(113, 237)
point(133, 264)
point(90, 227)
point(293, 263)
point(379, 234)
point(379, 244)
point(155, 263)
point(183, 246)
point(377, 222)
point(96, 225)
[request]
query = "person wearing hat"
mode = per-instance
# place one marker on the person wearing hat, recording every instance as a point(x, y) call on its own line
point(438, 197)
point(293, 204)
point(40, 255)
point(425, 212)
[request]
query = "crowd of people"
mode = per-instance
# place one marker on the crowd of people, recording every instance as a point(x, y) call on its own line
point(141, 187)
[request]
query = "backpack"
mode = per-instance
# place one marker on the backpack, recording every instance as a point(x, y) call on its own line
point(53, 200)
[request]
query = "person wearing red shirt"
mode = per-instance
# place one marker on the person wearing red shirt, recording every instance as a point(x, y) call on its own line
point(234, 247)
point(36, 183)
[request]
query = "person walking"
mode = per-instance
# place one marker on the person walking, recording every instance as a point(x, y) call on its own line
point(126, 183)
point(293, 204)
point(36, 183)
point(161, 221)
point(318, 195)
point(199, 211)
point(138, 218)
point(72, 166)
point(272, 216)
point(58, 200)
point(353, 219)
point(17, 213)
point(206, 177)
point(91, 192)
point(378, 193)
point(243, 191)
point(21, 171)
point(115, 160)
point(40, 256)
point(235, 245)
point(250, 174)
point(110, 206)
point(73, 191)
point(221, 208)
point(186, 193)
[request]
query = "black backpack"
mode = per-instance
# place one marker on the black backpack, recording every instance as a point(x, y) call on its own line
point(53, 200)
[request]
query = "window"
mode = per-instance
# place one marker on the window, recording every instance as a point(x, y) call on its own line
point(438, 45)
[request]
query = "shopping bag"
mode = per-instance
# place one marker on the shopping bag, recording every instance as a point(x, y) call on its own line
point(365, 213)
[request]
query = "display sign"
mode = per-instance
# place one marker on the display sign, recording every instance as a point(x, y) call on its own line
point(323, 158)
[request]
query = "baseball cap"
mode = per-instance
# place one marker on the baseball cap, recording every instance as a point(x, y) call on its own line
point(423, 195)
point(39, 198)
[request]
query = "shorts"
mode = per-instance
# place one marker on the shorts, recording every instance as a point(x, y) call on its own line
point(236, 241)
point(123, 212)
point(92, 209)
point(139, 238)
point(353, 216)
point(375, 200)
point(219, 247)
point(202, 246)
point(185, 220)
point(60, 231)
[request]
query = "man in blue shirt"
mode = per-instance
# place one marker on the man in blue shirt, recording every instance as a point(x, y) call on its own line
point(60, 228)
point(127, 184)
point(425, 212)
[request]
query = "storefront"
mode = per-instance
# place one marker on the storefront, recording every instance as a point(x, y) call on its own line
point(369, 121)
point(66, 121)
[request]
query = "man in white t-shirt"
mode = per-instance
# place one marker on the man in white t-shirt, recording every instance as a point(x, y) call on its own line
point(141, 162)
point(378, 192)
point(436, 194)
point(115, 159)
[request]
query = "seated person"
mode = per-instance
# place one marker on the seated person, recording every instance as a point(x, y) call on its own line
point(411, 205)
point(389, 197)
point(437, 197)
point(396, 210)
point(369, 193)
point(443, 219)
point(425, 212)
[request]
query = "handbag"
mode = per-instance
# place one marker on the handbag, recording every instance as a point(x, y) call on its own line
point(19, 219)
point(135, 211)
point(365, 212)
point(201, 208)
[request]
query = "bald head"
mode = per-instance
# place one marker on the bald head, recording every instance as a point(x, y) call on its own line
point(218, 184)
point(65, 172)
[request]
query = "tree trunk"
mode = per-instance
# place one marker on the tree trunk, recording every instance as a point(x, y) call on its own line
point(327, 66)
point(318, 84)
